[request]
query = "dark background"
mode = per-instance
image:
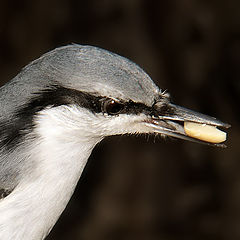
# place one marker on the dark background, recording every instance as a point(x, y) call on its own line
point(143, 188)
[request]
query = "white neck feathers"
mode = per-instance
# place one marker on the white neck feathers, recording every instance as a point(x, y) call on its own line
point(58, 156)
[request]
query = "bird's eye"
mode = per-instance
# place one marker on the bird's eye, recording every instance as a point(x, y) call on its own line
point(112, 107)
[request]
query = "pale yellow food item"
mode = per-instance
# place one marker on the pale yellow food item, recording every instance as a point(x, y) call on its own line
point(204, 132)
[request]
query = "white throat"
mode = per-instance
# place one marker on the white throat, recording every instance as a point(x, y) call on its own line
point(58, 157)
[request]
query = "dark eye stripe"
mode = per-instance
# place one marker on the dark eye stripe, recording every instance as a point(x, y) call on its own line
point(14, 129)
point(57, 96)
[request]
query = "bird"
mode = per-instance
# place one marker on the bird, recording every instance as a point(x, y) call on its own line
point(52, 115)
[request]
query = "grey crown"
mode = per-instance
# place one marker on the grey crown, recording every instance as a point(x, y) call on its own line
point(84, 68)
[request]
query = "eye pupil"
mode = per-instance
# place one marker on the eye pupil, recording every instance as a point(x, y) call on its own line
point(112, 107)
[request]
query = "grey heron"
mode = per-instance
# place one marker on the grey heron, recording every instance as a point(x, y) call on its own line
point(54, 112)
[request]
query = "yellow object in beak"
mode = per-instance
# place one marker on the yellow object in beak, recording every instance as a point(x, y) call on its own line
point(204, 132)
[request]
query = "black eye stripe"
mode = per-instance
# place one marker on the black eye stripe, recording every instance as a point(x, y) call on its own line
point(22, 122)
point(14, 129)
point(57, 96)
point(136, 108)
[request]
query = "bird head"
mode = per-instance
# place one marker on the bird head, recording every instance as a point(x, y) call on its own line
point(52, 115)
point(92, 93)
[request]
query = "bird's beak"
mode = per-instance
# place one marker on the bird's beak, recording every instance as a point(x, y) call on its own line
point(170, 119)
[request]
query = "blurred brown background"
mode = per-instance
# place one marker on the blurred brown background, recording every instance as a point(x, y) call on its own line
point(143, 188)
